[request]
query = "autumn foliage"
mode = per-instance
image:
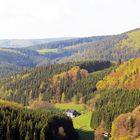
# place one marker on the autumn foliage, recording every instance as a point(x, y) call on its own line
point(127, 126)
point(126, 76)
point(73, 74)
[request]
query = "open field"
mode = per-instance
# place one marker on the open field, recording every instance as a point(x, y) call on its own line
point(78, 107)
point(45, 51)
point(82, 122)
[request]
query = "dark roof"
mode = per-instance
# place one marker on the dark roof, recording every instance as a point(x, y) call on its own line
point(71, 111)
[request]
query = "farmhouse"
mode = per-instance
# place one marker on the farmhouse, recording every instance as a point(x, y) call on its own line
point(72, 113)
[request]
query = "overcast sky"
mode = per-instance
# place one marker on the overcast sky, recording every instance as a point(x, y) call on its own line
point(67, 18)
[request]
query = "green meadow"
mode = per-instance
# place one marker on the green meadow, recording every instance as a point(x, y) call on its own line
point(45, 51)
point(82, 122)
point(64, 106)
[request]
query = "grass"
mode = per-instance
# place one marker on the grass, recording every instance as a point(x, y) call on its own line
point(64, 106)
point(45, 51)
point(82, 122)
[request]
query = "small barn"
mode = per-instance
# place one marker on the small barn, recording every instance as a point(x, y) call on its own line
point(72, 113)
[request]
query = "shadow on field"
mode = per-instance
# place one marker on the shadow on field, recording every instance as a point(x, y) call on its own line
point(86, 135)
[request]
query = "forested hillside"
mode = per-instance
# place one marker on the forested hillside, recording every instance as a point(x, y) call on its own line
point(17, 60)
point(116, 94)
point(92, 72)
point(125, 76)
point(18, 123)
point(18, 55)
point(123, 46)
point(127, 126)
point(69, 69)
point(54, 83)
point(112, 103)
point(116, 48)
point(7, 69)
point(66, 42)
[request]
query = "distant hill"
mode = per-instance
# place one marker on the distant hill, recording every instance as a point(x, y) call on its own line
point(21, 43)
point(115, 47)
point(17, 60)
point(118, 48)
point(125, 76)
point(67, 42)
point(112, 48)
point(30, 57)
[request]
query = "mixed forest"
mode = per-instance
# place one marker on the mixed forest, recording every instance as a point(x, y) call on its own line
point(97, 76)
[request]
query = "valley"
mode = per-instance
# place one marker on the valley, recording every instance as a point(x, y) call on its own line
point(69, 69)
point(97, 77)
point(102, 48)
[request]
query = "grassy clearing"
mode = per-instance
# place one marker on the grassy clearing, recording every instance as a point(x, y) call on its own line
point(82, 122)
point(45, 51)
point(78, 107)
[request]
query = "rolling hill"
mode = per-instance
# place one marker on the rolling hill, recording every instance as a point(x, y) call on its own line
point(54, 83)
point(16, 54)
point(125, 76)
point(21, 43)
point(116, 48)
point(16, 60)
point(113, 48)
point(79, 82)
point(117, 93)
point(19, 123)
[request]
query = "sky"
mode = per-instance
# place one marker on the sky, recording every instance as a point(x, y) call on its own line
point(24, 19)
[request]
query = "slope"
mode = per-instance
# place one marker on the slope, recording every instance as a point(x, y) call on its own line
point(127, 126)
point(20, 123)
point(116, 94)
point(16, 60)
point(125, 76)
point(117, 48)
point(113, 48)
point(22, 43)
point(54, 83)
